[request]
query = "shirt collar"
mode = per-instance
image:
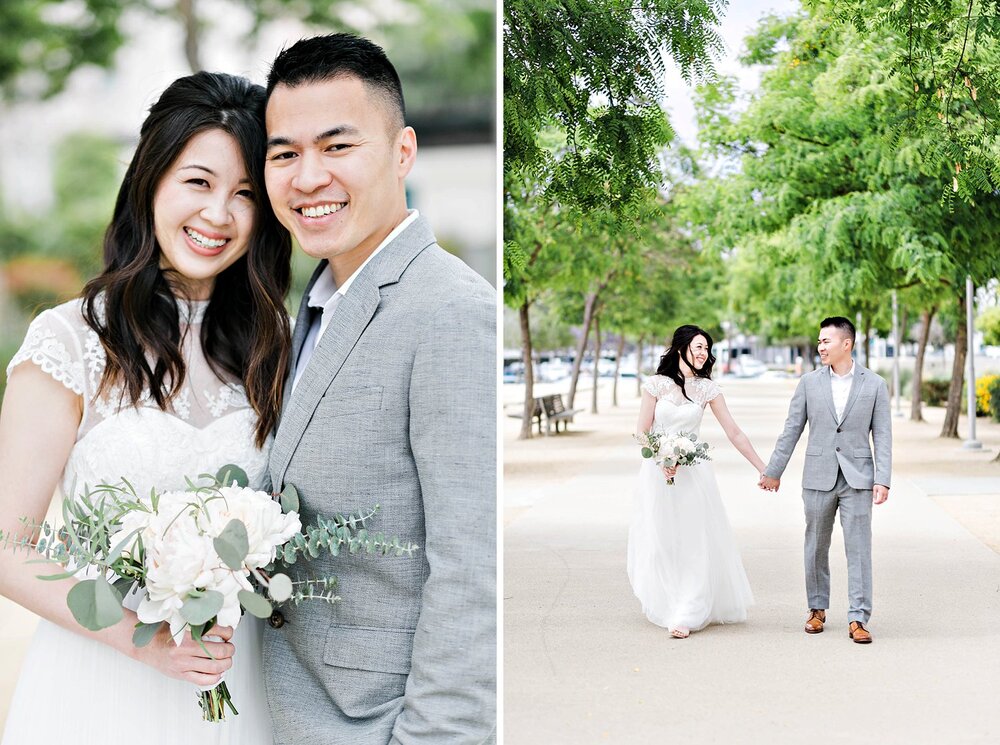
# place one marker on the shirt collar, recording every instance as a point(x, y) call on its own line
point(846, 375)
point(324, 288)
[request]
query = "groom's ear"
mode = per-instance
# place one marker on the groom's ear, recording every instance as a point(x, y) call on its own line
point(406, 150)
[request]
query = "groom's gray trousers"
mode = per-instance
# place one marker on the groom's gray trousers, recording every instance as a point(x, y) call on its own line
point(855, 506)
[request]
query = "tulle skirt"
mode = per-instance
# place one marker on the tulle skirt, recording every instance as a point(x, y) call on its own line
point(683, 562)
point(76, 690)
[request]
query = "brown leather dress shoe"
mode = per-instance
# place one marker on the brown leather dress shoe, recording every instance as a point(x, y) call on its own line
point(814, 624)
point(859, 634)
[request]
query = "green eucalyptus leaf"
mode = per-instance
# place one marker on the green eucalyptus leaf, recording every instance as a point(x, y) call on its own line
point(232, 544)
point(95, 604)
point(144, 633)
point(53, 577)
point(255, 604)
point(197, 611)
point(230, 473)
point(290, 499)
point(280, 588)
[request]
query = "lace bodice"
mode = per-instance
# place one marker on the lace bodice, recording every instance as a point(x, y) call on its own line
point(674, 412)
point(210, 423)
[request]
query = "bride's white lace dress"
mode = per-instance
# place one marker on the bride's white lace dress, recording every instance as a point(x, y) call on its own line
point(683, 562)
point(75, 690)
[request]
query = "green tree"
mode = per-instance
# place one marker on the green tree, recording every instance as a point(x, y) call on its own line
point(834, 204)
point(989, 323)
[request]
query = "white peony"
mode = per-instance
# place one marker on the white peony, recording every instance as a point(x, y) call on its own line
point(181, 555)
point(267, 526)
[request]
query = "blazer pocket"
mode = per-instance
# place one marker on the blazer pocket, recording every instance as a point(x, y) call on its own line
point(344, 401)
point(375, 650)
point(863, 453)
point(814, 450)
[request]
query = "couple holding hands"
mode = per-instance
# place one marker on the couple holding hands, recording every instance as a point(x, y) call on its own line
point(683, 562)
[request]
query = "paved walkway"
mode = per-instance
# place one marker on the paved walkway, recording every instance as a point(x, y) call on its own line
point(582, 665)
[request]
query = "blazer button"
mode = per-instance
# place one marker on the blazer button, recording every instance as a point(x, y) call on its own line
point(838, 450)
point(839, 430)
point(276, 621)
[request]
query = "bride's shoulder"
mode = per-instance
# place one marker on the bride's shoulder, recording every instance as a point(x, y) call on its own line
point(62, 321)
point(657, 385)
point(58, 340)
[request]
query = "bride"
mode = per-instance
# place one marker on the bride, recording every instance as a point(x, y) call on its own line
point(171, 364)
point(683, 562)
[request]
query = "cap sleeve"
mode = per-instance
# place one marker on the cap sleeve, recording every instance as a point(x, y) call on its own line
point(54, 345)
point(654, 385)
point(712, 390)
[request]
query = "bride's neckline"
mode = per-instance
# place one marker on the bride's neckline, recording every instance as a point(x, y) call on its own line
point(191, 311)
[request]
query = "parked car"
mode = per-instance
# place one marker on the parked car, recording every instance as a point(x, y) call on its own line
point(748, 367)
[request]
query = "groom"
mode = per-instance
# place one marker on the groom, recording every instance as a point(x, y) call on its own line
point(391, 402)
point(842, 402)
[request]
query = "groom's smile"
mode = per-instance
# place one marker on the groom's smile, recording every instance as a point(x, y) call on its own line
point(335, 164)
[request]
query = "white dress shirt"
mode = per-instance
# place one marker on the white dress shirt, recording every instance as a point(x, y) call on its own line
point(326, 295)
point(841, 388)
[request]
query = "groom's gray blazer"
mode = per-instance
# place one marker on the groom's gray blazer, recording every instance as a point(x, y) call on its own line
point(396, 407)
point(842, 445)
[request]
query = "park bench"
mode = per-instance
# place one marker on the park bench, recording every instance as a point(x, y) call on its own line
point(556, 412)
point(536, 413)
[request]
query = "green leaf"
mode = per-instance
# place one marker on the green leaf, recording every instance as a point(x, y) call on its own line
point(647, 453)
point(124, 585)
point(255, 604)
point(95, 604)
point(144, 633)
point(290, 499)
point(53, 577)
point(120, 547)
point(280, 588)
point(202, 609)
point(230, 473)
point(232, 544)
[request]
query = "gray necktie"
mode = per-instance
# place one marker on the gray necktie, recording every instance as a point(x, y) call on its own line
point(309, 343)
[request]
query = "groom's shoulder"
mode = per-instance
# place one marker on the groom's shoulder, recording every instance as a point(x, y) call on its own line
point(813, 375)
point(444, 275)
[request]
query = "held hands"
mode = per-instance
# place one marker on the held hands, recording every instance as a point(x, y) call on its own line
point(187, 660)
point(767, 483)
point(880, 493)
point(669, 471)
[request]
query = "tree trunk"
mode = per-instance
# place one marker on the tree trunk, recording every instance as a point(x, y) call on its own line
point(588, 317)
point(638, 366)
point(618, 367)
point(950, 426)
point(192, 31)
point(866, 320)
point(597, 363)
point(916, 395)
point(529, 376)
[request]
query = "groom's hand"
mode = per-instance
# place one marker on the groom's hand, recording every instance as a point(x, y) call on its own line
point(880, 493)
point(767, 483)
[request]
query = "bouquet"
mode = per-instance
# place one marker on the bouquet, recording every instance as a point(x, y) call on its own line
point(199, 557)
point(670, 451)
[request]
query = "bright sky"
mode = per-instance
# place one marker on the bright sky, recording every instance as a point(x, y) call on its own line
point(738, 20)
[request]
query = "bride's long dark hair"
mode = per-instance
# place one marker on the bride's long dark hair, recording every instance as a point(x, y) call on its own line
point(131, 306)
point(670, 362)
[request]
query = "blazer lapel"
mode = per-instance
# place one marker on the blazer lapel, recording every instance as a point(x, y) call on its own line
point(348, 322)
point(299, 335)
point(856, 385)
point(827, 392)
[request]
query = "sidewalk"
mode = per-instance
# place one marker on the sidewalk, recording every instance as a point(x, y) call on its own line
point(582, 665)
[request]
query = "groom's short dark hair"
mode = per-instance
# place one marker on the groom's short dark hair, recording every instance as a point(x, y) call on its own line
point(322, 58)
point(842, 324)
